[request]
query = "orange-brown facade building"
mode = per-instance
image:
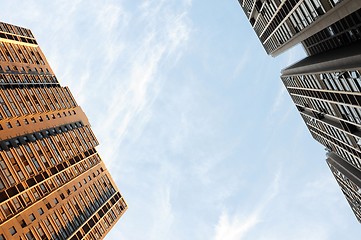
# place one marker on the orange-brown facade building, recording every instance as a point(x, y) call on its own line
point(53, 184)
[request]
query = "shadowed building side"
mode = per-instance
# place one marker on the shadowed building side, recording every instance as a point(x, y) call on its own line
point(281, 25)
point(326, 85)
point(326, 89)
point(349, 180)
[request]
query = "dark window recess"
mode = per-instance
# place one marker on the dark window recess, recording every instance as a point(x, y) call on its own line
point(117, 196)
point(45, 174)
point(20, 187)
point(12, 191)
point(252, 21)
point(258, 5)
point(91, 223)
point(8, 36)
point(53, 170)
point(318, 115)
point(3, 196)
point(22, 223)
point(349, 127)
point(86, 228)
point(39, 178)
point(341, 33)
point(101, 213)
point(60, 167)
point(21, 140)
point(79, 235)
point(31, 182)
point(62, 196)
point(301, 109)
point(48, 206)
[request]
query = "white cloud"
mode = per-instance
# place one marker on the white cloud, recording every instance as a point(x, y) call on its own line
point(237, 226)
point(166, 33)
point(234, 229)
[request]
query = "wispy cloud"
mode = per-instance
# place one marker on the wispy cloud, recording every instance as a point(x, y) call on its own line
point(139, 79)
point(242, 63)
point(162, 224)
point(237, 226)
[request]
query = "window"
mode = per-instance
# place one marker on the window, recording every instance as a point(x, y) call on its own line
point(29, 236)
point(40, 232)
point(22, 223)
point(2, 237)
point(32, 217)
point(26, 198)
point(40, 211)
point(16, 203)
point(1, 187)
point(12, 231)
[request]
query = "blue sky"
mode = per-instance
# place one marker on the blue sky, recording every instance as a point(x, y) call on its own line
point(192, 118)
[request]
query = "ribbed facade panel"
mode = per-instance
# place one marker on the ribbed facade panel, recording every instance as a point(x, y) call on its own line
point(53, 183)
point(282, 24)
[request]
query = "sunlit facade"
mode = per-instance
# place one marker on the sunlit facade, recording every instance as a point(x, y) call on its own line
point(53, 183)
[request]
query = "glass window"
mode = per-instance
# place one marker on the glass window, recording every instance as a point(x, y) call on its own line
point(40, 211)
point(12, 231)
point(32, 217)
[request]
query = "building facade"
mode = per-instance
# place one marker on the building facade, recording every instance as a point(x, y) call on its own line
point(53, 183)
point(326, 89)
point(281, 24)
point(349, 180)
point(326, 85)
